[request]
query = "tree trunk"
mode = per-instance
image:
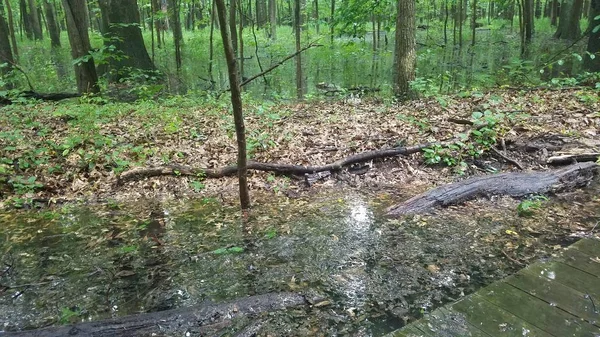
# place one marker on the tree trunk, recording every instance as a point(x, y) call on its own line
point(273, 19)
point(236, 102)
point(568, 23)
point(511, 184)
point(460, 21)
point(404, 52)
point(11, 30)
point(332, 21)
point(124, 33)
point(528, 19)
point(53, 30)
point(25, 19)
point(233, 25)
point(593, 64)
point(538, 9)
point(297, 32)
point(174, 11)
point(554, 12)
point(35, 20)
point(473, 20)
point(317, 22)
point(6, 55)
point(156, 8)
point(77, 29)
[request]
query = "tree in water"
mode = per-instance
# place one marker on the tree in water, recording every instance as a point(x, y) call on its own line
point(568, 22)
point(236, 102)
point(405, 56)
point(77, 29)
point(121, 29)
point(592, 63)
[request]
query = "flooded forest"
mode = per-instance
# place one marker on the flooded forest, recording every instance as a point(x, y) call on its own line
point(289, 167)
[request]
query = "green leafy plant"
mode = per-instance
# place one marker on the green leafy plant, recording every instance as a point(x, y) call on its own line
point(527, 207)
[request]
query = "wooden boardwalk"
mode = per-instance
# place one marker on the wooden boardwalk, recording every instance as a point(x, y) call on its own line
point(557, 298)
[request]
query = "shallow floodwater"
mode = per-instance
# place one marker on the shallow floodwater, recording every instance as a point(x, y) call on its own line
point(76, 264)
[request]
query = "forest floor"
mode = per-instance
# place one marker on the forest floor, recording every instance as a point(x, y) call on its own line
point(73, 151)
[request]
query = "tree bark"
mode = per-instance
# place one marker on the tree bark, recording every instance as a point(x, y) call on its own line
point(528, 16)
point(297, 32)
point(6, 55)
point(473, 21)
point(233, 25)
point(25, 19)
point(568, 23)
point(593, 47)
point(554, 12)
point(124, 33)
point(511, 184)
point(404, 52)
point(273, 19)
point(174, 11)
point(236, 102)
point(53, 30)
point(11, 30)
point(77, 29)
point(202, 320)
point(35, 20)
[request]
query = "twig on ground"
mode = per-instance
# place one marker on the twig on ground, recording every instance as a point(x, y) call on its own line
point(510, 160)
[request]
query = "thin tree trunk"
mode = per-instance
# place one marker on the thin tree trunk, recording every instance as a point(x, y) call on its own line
point(11, 30)
point(232, 25)
point(528, 15)
point(318, 23)
point(53, 30)
point(241, 36)
point(446, 23)
point(25, 19)
point(176, 28)
point(77, 29)
point(152, 23)
point(473, 21)
point(593, 64)
point(297, 31)
point(332, 21)
point(157, 22)
point(460, 22)
point(273, 18)
point(211, 46)
point(236, 102)
point(404, 52)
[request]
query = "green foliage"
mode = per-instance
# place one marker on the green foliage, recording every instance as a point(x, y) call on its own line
point(527, 207)
point(68, 315)
point(228, 250)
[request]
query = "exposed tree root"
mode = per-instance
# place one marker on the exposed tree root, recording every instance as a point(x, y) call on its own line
point(286, 169)
point(511, 184)
point(196, 321)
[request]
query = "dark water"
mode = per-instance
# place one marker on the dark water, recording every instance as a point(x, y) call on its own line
point(86, 263)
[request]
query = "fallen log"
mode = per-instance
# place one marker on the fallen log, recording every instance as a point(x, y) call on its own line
point(572, 158)
point(52, 97)
point(511, 184)
point(285, 169)
point(202, 320)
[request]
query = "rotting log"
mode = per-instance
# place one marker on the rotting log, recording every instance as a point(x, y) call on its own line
point(202, 320)
point(511, 184)
point(286, 169)
point(51, 97)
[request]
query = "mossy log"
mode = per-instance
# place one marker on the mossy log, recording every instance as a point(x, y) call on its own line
point(196, 321)
point(511, 184)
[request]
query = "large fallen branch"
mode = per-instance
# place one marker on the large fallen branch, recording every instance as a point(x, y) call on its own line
point(286, 169)
point(195, 321)
point(511, 184)
point(52, 97)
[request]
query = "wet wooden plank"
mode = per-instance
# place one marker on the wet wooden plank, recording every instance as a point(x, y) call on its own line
point(444, 322)
point(556, 294)
point(494, 320)
point(569, 276)
point(580, 260)
point(537, 312)
point(588, 246)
